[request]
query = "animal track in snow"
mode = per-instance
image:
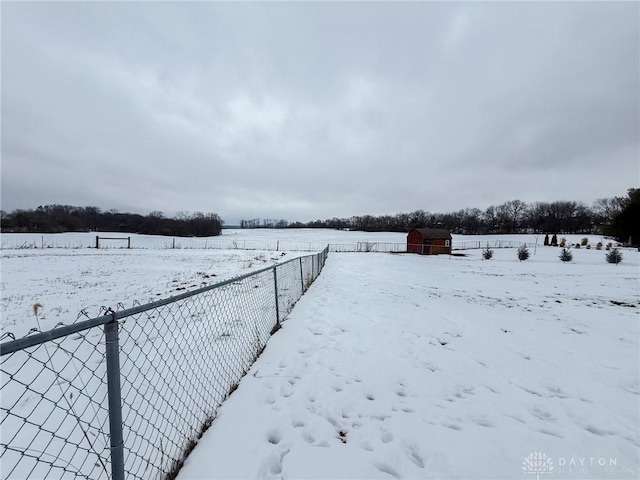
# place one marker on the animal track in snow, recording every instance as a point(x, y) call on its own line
point(549, 432)
point(386, 437)
point(381, 417)
point(598, 431)
point(366, 446)
point(273, 465)
point(542, 414)
point(517, 419)
point(274, 437)
point(483, 422)
point(384, 468)
point(453, 426)
point(414, 456)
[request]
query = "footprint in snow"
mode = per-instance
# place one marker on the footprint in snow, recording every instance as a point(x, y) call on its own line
point(453, 426)
point(542, 415)
point(386, 437)
point(366, 446)
point(414, 456)
point(483, 422)
point(307, 437)
point(274, 437)
point(384, 468)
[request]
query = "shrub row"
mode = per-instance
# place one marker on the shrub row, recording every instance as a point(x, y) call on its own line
point(614, 255)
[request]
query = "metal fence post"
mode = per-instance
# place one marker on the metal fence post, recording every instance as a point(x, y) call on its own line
point(275, 284)
point(115, 400)
point(301, 276)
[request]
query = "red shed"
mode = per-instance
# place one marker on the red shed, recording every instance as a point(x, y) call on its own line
point(429, 241)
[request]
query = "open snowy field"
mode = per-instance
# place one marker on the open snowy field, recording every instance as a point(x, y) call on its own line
point(67, 276)
point(267, 239)
point(67, 282)
point(401, 366)
point(259, 239)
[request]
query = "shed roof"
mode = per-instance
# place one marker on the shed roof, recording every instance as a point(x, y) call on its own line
point(432, 233)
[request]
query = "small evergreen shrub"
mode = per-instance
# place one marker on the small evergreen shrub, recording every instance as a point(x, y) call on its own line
point(614, 256)
point(584, 241)
point(554, 240)
point(487, 253)
point(546, 240)
point(577, 245)
point(566, 255)
point(523, 253)
point(588, 246)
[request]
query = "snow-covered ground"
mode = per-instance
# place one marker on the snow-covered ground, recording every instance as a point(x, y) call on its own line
point(266, 239)
point(54, 409)
point(260, 239)
point(402, 366)
point(392, 365)
point(69, 281)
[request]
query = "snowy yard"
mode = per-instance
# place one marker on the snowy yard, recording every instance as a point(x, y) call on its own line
point(395, 365)
point(401, 366)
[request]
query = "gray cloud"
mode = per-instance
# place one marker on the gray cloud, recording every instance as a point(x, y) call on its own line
point(313, 110)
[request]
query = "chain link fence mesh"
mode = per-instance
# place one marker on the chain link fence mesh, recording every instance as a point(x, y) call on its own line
point(179, 359)
point(54, 413)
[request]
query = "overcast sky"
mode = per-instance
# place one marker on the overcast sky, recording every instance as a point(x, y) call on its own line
point(308, 111)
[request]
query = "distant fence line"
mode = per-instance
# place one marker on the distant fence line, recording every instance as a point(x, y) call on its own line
point(127, 394)
point(221, 243)
point(474, 245)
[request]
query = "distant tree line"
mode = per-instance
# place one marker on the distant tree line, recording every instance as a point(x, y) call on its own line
point(66, 218)
point(264, 223)
point(618, 217)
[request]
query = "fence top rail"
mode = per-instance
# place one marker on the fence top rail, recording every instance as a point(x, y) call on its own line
point(31, 340)
point(57, 332)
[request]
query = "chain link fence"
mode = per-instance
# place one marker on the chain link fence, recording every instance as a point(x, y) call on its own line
point(129, 393)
